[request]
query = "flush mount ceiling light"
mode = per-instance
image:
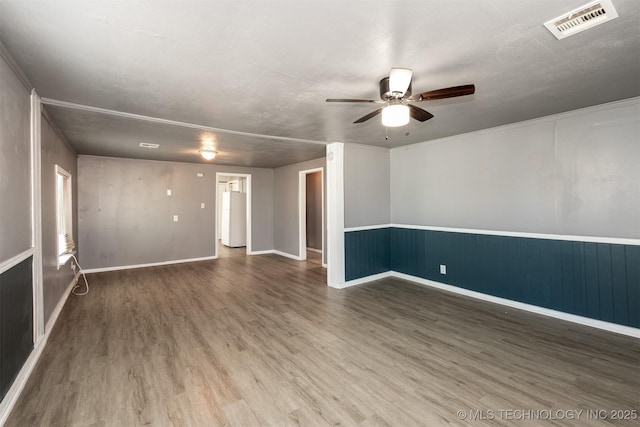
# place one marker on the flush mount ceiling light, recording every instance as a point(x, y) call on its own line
point(395, 115)
point(208, 154)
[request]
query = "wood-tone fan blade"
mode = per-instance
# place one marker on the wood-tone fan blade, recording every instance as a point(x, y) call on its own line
point(450, 92)
point(419, 114)
point(376, 101)
point(370, 115)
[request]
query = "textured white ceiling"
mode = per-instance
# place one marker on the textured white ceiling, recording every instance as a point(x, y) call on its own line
point(266, 67)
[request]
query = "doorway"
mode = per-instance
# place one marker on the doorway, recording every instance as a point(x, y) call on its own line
point(311, 214)
point(240, 186)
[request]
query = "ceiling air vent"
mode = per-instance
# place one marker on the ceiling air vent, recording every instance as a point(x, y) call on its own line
point(582, 18)
point(148, 145)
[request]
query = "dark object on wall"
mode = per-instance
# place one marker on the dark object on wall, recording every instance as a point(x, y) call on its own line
point(16, 321)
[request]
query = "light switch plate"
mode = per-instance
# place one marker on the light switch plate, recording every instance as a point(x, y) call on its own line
point(443, 269)
point(168, 192)
point(175, 218)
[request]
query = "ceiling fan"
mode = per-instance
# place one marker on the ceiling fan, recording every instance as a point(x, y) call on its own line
point(395, 91)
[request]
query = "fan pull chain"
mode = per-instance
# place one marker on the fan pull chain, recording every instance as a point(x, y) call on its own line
point(386, 133)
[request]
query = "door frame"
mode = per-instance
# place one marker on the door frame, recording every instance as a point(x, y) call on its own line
point(217, 208)
point(302, 211)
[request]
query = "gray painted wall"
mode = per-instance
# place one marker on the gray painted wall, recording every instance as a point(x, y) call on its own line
point(55, 152)
point(285, 226)
point(314, 210)
point(126, 217)
point(572, 174)
point(366, 185)
point(15, 164)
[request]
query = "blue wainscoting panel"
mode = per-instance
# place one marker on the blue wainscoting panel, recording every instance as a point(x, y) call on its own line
point(596, 280)
point(366, 252)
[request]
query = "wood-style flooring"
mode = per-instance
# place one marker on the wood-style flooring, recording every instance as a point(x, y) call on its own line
point(262, 341)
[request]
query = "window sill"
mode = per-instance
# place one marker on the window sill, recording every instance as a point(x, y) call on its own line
point(64, 258)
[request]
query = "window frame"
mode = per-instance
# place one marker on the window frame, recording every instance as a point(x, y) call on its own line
point(64, 218)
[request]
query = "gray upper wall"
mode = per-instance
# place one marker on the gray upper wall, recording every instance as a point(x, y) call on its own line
point(285, 225)
point(55, 152)
point(576, 173)
point(15, 164)
point(126, 217)
point(366, 185)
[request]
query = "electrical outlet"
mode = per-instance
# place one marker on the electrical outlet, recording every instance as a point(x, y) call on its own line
point(175, 218)
point(168, 192)
point(201, 205)
point(443, 269)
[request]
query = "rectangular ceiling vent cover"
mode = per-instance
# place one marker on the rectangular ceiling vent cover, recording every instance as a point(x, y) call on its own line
point(582, 18)
point(148, 145)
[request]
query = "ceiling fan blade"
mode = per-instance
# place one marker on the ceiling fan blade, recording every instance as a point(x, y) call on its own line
point(399, 80)
point(419, 114)
point(376, 101)
point(450, 92)
point(370, 115)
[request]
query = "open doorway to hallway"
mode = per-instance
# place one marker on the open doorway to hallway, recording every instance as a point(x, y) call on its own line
point(311, 215)
point(233, 213)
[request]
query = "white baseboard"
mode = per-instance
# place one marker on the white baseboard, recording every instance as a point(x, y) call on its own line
point(56, 311)
point(269, 251)
point(287, 255)
point(152, 264)
point(607, 326)
point(586, 321)
point(10, 399)
point(363, 280)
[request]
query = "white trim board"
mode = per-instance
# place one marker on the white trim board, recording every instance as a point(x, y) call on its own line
point(16, 389)
point(15, 260)
point(528, 235)
point(367, 227)
point(593, 239)
point(586, 321)
point(151, 264)
point(74, 106)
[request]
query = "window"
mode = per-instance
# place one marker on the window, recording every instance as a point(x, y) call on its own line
point(64, 216)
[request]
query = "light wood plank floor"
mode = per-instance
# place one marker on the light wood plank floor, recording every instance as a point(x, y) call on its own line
point(248, 341)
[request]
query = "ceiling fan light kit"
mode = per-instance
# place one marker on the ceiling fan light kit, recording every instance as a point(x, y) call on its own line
point(395, 115)
point(395, 91)
point(399, 81)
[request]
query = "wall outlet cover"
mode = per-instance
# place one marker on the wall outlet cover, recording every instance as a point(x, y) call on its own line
point(201, 205)
point(168, 192)
point(175, 218)
point(443, 269)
